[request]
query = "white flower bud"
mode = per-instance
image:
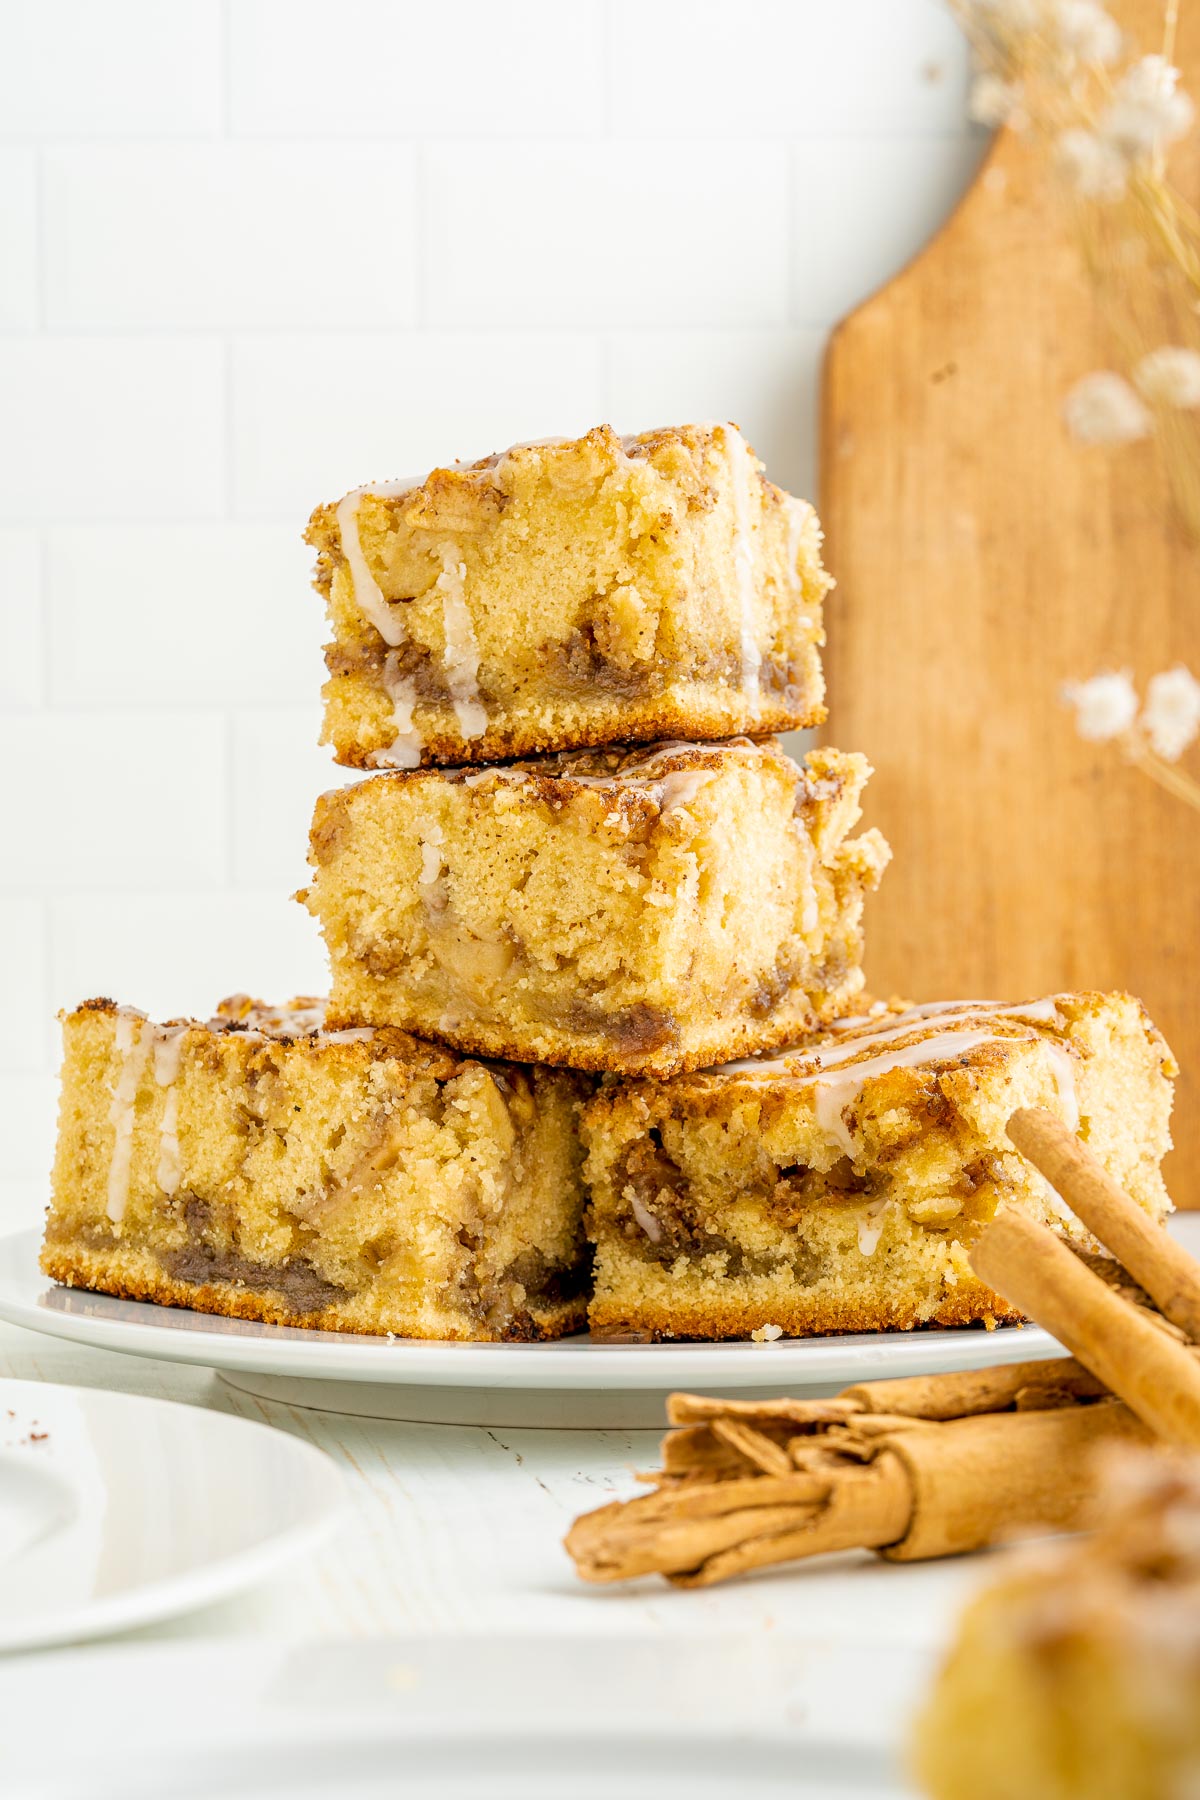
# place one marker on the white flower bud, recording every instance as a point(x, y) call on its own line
point(1085, 30)
point(1104, 409)
point(1171, 715)
point(995, 102)
point(1105, 707)
point(1169, 376)
point(1093, 166)
point(1147, 111)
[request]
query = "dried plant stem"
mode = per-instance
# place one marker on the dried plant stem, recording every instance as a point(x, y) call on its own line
point(1140, 246)
point(1174, 780)
point(1170, 30)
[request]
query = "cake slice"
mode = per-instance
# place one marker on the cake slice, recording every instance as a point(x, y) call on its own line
point(1077, 1676)
point(629, 910)
point(839, 1187)
point(568, 593)
point(264, 1167)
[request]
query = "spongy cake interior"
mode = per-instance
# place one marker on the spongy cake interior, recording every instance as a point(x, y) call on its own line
point(616, 910)
point(722, 1202)
point(599, 578)
point(373, 1184)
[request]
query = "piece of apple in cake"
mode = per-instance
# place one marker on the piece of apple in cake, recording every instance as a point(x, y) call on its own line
point(264, 1167)
point(568, 593)
point(629, 910)
point(839, 1187)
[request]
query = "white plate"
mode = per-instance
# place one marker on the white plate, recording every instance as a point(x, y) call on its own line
point(117, 1510)
point(575, 1382)
point(767, 1717)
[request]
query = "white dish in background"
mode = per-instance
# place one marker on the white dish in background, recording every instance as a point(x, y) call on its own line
point(683, 1717)
point(573, 1382)
point(116, 1510)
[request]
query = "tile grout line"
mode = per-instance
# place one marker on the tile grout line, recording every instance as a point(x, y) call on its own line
point(791, 189)
point(225, 32)
point(230, 799)
point(40, 259)
point(421, 247)
point(229, 432)
point(606, 64)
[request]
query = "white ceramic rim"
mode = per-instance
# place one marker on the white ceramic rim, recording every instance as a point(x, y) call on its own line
point(171, 1334)
point(208, 1580)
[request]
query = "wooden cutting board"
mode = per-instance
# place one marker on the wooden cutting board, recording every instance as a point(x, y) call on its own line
point(983, 559)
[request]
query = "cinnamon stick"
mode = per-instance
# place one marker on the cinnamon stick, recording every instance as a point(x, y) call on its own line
point(958, 1394)
point(1155, 1260)
point(1156, 1377)
point(975, 1480)
point(703, 1534)
point(912, 1490)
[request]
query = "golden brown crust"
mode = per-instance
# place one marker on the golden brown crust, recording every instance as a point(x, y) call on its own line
point(970, 1303)
point(590, 571)
point(473, 485)
point(79, 1268)
point(713, 1093)
point(234, 1022)
point(594, 980)
point(641, 722)
point(792, 1016)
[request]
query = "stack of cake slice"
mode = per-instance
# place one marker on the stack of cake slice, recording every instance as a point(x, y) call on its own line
point(583, 874)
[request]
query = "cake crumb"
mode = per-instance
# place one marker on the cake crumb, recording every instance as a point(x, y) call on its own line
point(766, 1334)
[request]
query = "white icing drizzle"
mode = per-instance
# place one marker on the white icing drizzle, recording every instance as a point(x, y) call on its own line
point(948, 1031)
point(831, 1094)
point(737, 453)
point(870, 1226)
point(461, 656)
point(141, 1045)
point(274, 1021)
point(134, 1051)
point(681, 786)
point(798, 515)
point(168, 1051)
point(263, 1023)
point(829, 1057)
point(404, 751)
point(547, 443)
point(368, 595)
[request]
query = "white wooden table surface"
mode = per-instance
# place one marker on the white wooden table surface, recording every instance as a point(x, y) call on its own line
point(458, 1529)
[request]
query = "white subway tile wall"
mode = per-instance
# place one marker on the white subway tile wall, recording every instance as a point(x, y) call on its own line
point(259, 251)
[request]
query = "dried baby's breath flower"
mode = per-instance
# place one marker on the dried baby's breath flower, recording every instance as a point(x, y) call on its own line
point(1004, 17)
point(995, 102)
point(1086, 30)
point(1104, 409)
point(1147, 112)
point(1105, 707)
point(1171, 715)
point(1094, 167)
point(1169, 376)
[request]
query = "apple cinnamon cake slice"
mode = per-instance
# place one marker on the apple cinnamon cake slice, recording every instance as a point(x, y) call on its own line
point(264, 1167)
point(839, 1187)
point(629, 910)
point(567, 593)
point(1076, 1676)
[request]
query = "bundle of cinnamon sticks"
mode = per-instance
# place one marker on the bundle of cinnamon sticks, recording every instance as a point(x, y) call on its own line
point(933, 1465)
